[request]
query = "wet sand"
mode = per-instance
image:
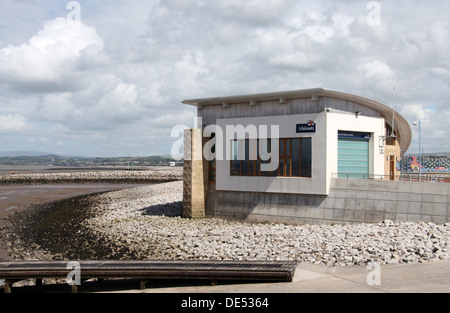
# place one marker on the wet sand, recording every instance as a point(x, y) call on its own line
point(19, 198)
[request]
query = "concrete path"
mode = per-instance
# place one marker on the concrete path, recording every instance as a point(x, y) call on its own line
point(433, 277)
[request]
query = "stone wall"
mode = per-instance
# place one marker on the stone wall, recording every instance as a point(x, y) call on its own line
point(195, 171)
point(349, 201)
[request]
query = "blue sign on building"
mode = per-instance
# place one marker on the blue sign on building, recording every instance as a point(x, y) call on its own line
point(306, 128)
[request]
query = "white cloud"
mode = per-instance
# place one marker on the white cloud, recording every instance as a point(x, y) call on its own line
point(52, 57)
point(55, 108)
point(379, 70)
point(13, 125)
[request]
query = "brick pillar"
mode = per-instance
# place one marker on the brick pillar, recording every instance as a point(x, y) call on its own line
point(195, 185)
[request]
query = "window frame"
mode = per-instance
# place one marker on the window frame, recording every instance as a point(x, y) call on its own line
point(253, 168)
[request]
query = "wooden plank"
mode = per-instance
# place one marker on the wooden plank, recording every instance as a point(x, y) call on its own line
point(212, 270)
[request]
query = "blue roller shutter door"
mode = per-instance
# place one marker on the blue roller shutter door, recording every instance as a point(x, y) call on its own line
point(353, 157)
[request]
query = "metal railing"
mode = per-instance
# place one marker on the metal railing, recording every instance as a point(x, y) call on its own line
point(402, 177)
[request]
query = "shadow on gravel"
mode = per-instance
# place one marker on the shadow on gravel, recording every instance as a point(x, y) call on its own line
point(174, 209)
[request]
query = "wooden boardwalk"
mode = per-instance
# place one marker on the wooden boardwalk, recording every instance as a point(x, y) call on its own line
point(148, 270)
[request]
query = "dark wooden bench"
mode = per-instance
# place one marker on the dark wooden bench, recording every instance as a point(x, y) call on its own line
point(147, 270)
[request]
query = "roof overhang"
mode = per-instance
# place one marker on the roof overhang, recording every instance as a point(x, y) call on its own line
point(402, 128)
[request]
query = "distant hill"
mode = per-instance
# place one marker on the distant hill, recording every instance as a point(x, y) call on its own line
point(48, 159)
point(23, 153)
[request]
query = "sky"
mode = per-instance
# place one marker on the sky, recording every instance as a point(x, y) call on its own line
point(106, 78)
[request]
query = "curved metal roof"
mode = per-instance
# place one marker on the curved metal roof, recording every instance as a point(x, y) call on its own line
point(402, 128)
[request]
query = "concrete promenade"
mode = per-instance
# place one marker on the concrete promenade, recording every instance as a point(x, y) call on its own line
point(433, 277)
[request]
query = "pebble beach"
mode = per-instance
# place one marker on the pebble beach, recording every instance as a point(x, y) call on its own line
point(145, 223)
point(87, 177)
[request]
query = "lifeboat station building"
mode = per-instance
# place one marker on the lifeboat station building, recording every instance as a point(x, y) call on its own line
point(304, 156)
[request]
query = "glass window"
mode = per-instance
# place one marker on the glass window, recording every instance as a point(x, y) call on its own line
point(235, 163)
point(245, 163)
point(281, 168)
point(306, 155)
point(235, 150)
point(295, 158)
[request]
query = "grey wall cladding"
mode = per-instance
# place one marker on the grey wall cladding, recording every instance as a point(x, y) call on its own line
point(349, 201)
